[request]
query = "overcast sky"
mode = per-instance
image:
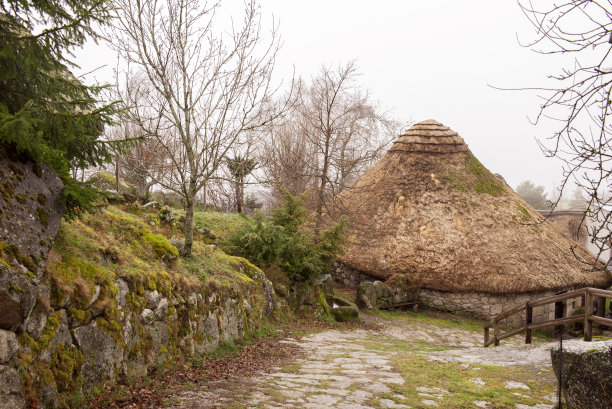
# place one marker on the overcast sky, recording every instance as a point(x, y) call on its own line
point(433, 59)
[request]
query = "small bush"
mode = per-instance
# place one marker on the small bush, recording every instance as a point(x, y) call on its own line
point(283, 239)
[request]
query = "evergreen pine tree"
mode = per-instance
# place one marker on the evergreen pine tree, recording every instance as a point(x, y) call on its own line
point(46, 114)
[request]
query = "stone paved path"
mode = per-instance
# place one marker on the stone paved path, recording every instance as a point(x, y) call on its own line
point(355, 370)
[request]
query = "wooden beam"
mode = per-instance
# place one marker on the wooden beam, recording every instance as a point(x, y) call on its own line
point(559, 297)
point(601, 320)
point(558, 321)
point(588, 311)
point(496, 334)
point(528, 319)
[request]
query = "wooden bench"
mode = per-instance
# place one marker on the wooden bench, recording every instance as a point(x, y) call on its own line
point(414, 304)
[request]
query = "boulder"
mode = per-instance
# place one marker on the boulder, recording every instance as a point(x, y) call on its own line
point(154, 205)
point(11, 386)
point(8, 346)
point(326, 283)
point(31, 211)
point(344, 310)
point(380, 295)
point(587, 373)
point(103, 355)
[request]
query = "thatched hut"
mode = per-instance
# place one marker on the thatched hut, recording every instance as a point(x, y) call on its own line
point(431, 217)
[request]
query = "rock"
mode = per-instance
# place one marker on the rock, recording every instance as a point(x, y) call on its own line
point(231, 321)
point(344, 310)
point(36, 324)
point(165, 215)
point(208, 331)
point(381, 295)
point(11, 386)
point(31, 214)
point(152, 299)
point(270, 301)
point(154, 205)
point(178, 243)
point(62, 336)
point(8, 346)
point(162, 309)
point(122, 290)
point(281, 290)
point(192, 300)
point(326, 283)
point(247, 307)
point(207, 233)
point(103, 355)
point(364, 302)
point(302, 294)
point(95, 296)
point(160, 340)
point(147, 316)
point(587, 373)
point(48, 396)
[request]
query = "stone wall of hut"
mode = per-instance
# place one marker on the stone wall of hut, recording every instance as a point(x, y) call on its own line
point(349, 277)
point(487, 306)
point(475, 304)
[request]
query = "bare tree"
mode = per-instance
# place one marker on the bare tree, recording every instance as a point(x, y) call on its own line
point(143, 162)
point(580, 101)
point(194, 88)
point(345, 128)
point(286, 158)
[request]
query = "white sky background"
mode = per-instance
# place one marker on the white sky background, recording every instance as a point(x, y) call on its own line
point(423, 60)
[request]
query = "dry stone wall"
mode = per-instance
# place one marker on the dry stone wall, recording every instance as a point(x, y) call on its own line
point(55, 346)
point(349, 277)
point(487, 306)
point(476, 304)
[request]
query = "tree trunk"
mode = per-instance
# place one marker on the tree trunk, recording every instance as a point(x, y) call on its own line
point(204, 198)
point(188, 230)
point(117, 174)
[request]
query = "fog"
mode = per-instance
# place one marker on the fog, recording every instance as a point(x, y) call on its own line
point(441, 60)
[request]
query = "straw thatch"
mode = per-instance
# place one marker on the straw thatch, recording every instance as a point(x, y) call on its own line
point(430, 214)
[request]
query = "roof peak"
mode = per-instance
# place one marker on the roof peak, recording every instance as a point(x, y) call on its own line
point(429, 136)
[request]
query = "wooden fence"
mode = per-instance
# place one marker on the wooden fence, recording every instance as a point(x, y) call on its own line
point(588, 318)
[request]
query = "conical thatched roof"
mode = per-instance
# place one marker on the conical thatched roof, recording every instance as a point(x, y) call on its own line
point(430, 214)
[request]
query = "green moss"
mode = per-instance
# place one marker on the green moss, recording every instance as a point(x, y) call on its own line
point(322, 302)
point(15, 288)
point(21, 198)
point(81, 316)
point(7, 190)
point(161, 246)
point(42, 199)
point(43, 216)
point(474, 177)
point(525, 213)
point(4, 263)
point(12, 252)
point(15, 169)
point(51, 328)
point(485, 181)
point(66, 365)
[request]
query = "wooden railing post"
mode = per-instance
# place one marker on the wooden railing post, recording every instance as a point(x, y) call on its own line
point(486, 336)
point(588, 311)
point(496, 334)
point(528, 319)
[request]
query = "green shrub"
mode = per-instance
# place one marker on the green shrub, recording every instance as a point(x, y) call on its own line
point(285, 240)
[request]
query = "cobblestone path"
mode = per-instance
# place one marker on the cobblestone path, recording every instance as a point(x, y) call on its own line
point(409, 364)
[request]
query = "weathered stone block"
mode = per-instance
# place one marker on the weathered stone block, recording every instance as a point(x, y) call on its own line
point(11, 386)
point(103, 355)
point(587, 373)
point(8, 346)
